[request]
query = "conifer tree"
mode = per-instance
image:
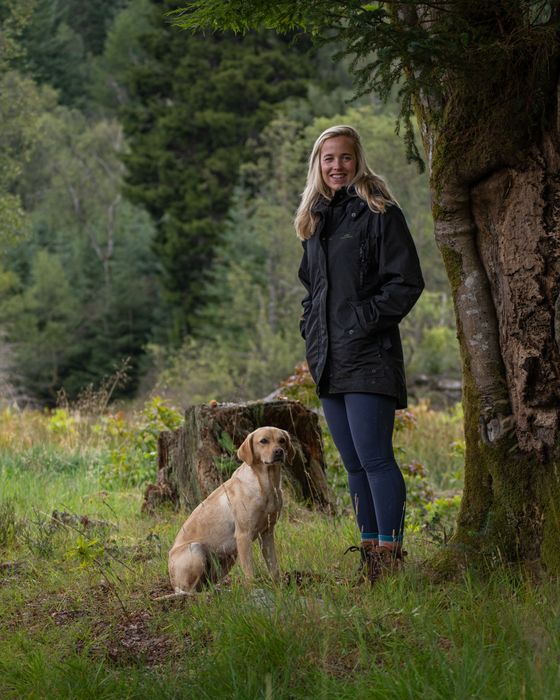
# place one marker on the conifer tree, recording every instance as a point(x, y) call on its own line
point(194, 104)
point(60, 41)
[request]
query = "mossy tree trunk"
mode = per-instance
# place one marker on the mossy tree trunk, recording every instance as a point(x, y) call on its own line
point(497, 223)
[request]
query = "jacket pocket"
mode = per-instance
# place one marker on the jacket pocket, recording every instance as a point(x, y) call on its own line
point(386, 342)
point(363, 314)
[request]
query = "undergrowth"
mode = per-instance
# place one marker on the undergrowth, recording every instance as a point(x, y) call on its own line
point(81, 570)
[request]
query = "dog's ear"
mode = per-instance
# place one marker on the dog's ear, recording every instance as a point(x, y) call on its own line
point(245, 451)
point(291, 448)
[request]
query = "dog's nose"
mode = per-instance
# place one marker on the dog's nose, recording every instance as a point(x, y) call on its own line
point(278, 454)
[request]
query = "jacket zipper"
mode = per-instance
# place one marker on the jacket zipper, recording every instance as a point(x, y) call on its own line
point(364, 257)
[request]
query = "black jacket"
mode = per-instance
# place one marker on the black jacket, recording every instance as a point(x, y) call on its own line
point(362, 276)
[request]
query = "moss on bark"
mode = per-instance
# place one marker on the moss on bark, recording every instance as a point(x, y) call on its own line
point(510, 509)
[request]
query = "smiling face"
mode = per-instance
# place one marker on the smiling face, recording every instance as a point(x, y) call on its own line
point(338, 162)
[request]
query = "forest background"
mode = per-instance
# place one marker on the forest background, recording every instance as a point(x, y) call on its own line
point(148, 183)
point(148, 180)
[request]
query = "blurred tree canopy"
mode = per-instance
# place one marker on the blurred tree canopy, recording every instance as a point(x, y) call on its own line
point(148, 180)
point(61, 39)
point(194, 103)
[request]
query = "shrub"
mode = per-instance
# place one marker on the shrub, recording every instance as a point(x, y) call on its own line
point(131, 459)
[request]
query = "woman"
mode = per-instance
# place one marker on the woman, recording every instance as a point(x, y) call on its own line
point(362, 275)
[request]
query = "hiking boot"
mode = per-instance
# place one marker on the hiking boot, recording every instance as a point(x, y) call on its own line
point(360, 573)
point(381, 561)
point(376, 561)
point(363, 549)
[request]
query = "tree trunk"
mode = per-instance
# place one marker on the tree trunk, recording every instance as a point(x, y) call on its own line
point(498, 230)
point(199, 456)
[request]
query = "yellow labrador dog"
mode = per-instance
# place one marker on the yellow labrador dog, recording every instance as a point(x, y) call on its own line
point(245, 507)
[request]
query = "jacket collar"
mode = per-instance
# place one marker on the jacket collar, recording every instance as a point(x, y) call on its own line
point(355, 206)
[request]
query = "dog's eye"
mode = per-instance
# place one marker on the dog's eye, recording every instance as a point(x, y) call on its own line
point(263, 441)
point(282, 440)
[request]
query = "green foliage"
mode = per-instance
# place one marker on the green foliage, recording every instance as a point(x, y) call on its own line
point(301, 387)
point(60, 41)
point(361, 30)
point(419, 492)
point(14, 16)
point(133, 447)
point(221, 370)
point(253, 296)
point(8, 524)
point(481, 636)
point(48, 459)
point(429, 337)
point(436, 444)
point(438, 352)
point(240, 16)
point(226, 443)
point(441, 518)
point(220, 184)
point(476, 60)
point(123, 48)
point(54, 53)
point(86, 551)
point(62, 422)
point(49, 313)
point(37, 535)
point(227, 463)
point(69, 287)
point(187, 141)
point(429, 512)
point(91, 20)
point(21, 104)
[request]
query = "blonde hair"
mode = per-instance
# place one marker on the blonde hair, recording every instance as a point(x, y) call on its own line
point(370, 187)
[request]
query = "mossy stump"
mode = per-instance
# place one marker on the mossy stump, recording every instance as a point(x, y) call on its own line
point(197, 457)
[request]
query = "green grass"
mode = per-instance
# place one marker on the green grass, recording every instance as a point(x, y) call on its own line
point(436, 441)
point(79, 619)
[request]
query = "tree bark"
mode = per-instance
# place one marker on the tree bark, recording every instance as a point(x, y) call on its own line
point(498, 229)
point(201, 454)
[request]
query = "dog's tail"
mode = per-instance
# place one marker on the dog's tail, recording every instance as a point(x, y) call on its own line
point(178, 595)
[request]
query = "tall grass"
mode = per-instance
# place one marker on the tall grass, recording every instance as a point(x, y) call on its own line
point(437, 442)
point(79, 616)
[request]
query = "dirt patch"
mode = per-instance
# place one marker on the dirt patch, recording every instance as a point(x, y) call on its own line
point(343, 665)
point(161, 587)
point(66, 617)
point(133, 640)
point(105, 630)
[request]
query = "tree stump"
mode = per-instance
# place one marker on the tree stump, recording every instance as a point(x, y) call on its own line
point(201, 454)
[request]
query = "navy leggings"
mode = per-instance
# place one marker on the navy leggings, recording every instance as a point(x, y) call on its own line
point(362, 430)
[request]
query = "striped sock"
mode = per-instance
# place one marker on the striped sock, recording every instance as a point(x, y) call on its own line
point(390, 539)
point(369, 536)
